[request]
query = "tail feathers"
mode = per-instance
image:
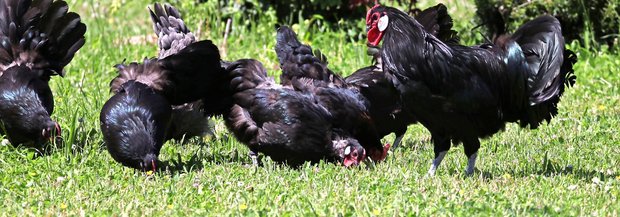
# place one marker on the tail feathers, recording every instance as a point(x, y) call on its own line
point(548, 68)
point(543, 46)
point(39, 34)
point(173, 35)
point(298, 60)
point(438, 22)
point(549, 108)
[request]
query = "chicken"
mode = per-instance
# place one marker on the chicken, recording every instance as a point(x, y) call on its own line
point(462, 94)
point(37, 40)
point(188, 120)
point(289, 126)
point(134, 121)
point(306, 71)
point(383, 98)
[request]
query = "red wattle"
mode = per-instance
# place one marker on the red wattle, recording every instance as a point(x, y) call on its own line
point(374, 36)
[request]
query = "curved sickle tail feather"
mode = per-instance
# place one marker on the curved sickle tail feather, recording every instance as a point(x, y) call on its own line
point(40, 34)
point(549, 64)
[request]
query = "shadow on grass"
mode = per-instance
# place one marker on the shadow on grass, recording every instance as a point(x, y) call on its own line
point(551, 169)
point(198, 160)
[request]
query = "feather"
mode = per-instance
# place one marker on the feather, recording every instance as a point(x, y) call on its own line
point(173, 35)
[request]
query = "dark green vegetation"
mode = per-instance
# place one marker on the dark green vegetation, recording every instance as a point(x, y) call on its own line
point(568, 167)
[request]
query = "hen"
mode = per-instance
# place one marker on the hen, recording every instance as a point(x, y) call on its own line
point(306, 71)
point(37, 40)
point(461, 94)
point(287, 125)
point(134, 121)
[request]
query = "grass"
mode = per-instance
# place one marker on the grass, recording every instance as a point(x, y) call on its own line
point(568, 167)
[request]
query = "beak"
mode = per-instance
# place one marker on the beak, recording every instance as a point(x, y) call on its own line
point(58, 130)
point(153, 164)
point(367, 28)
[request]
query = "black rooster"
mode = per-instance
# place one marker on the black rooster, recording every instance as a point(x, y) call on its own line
point(37, 40)
point(461, 94)
point(382, 99)
point(134, 121)
point(188, 120)
point(287, 125)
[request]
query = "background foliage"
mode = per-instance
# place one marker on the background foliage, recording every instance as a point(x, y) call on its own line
point(592, 22)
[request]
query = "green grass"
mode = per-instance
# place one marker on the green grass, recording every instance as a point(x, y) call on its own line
point(568, 167)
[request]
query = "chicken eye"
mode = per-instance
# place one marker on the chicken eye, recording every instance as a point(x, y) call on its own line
point(375, 16)
point(354, 154)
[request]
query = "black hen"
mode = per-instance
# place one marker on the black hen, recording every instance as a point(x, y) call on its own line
point(188, 120)
point(461, 94)
point(37, 40)
point(134, 123)
point(135, 119)
point(307, 71)
point(287, 125)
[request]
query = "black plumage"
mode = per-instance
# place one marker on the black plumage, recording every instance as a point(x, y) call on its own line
point(145, 92)
point(461, 94)
point(287, 125)
point(37, 40)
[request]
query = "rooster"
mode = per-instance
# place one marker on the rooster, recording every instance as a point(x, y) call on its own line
point(384, 99)
point(37, 40)
point(289, 126)
point(462, 94)
point(134, 121)
point(381, 98)
point(188, 120)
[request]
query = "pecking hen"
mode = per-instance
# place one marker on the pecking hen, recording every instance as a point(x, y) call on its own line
point(462, 94)
point(306, 71)
point(37, 40)
point(289, 126)
point(134, 121)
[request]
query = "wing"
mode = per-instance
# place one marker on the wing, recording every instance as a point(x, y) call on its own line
point(40, 34)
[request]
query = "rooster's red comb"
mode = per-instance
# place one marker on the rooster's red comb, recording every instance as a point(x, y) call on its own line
point(373, 7)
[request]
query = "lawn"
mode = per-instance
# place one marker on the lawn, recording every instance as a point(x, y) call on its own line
point(570, 166)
